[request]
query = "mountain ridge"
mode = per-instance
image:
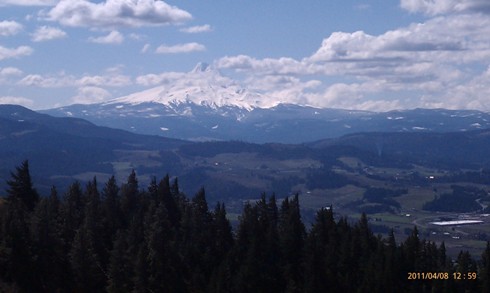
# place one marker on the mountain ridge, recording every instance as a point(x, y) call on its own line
point(204, 105)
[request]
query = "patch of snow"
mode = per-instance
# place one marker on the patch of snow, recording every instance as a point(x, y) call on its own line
point(418, 128)
point(164, 129)
point(215, 127)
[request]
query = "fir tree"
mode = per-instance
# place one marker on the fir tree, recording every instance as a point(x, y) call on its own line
point(485, 269)
point(129, 197)
point(119, 270)
point(48, 248)
point(292, 236)
point(20, 187)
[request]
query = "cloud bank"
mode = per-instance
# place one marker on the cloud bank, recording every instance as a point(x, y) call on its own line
point(441, 62)
point(113, 14)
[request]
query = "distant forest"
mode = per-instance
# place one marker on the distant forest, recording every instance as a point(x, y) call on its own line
point(123, 238)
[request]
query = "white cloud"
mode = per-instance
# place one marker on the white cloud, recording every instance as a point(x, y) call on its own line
point(436, 63)
point(116, 13)
point(111, 79)
point(180, 48)
point(158, 79)
point(288, 89)
point(90, 94)
point(434, 7)
point(137, 37)
point(6, 53)
point(16, 101)
point(38, 80)
point(28, 2)
point(145, 48)
point(107, 80)
point(47, 33)
point(9, 28)
point(197, 29)
point(114, 37)
point(10, 71)
point(265, 66)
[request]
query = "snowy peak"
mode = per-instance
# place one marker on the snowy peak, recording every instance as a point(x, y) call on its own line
point(203, 86)
point(202, 67)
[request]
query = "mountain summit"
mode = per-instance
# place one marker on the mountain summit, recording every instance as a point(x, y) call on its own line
point(202, 67)
point(203, 86)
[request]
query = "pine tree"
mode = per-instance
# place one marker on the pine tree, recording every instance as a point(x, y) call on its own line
point(198, 240)
point(129, 197)
point(48, 248)
point(465, 265)
point(119, 269)
point(20, 187)
point(485, 269)
point(169, 200)
point(112, 217)
point(321, 260)
point(72, 210)
point(223, 232)
point(163, 264)
point(86, 267)
point(16, 248)
point(292, 236)
point(141, 270)
point(247, 264)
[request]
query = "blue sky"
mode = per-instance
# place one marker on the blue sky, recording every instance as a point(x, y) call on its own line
point(370, 55)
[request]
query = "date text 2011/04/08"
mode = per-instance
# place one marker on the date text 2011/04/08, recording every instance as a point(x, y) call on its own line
point(441, 276)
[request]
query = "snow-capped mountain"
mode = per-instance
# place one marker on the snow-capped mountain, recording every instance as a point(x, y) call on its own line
point(205, 105)
point(202, 86)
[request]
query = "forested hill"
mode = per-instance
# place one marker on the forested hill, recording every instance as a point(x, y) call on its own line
point(112, 237)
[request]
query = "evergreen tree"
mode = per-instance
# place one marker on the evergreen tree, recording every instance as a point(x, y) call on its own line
point(321, 264)
point(48, 248)
point(247, 266)
point(129, 197)
point(223, 232)
point(112, 217)
point(484, 272)
point(292, 236)
point(141, 270)
point(169, 201)
point(85, 264)
point(163, 265)
point(20, 187)
point(16, 246)
point(119, 270)
point(198, 240)
point(466, 265)
point(72, 209)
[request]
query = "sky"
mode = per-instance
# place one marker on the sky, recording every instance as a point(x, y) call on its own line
point(372, 55)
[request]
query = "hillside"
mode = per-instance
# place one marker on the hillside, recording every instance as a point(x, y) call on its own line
point(387, 175)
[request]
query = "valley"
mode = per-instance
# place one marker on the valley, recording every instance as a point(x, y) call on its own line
point(400, 180)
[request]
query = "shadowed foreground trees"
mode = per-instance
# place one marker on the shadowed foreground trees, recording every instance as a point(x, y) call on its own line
point(126, 239)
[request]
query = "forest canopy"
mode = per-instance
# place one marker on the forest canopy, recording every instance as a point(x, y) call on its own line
point(114, 237)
